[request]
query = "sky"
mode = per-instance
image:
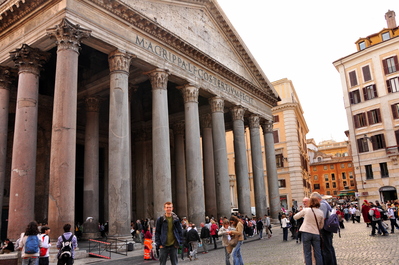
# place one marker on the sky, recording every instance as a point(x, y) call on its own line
point(300, 40)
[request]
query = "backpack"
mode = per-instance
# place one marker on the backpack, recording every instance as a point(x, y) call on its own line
point(32, 244)
point(66, 248)
point(332, 224)
point(377, 213)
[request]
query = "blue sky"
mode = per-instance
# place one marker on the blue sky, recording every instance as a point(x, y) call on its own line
point(299, 40)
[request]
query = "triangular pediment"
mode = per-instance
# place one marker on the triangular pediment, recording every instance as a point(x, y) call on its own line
point(202, 24)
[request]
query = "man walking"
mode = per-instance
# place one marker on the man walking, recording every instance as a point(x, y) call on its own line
point(205, 234)
point(66, 244)
point(168, 234)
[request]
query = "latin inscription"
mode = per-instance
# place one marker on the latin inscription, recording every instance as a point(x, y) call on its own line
point(187, 66)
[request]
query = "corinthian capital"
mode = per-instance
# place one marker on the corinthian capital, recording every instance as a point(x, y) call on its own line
point(254, 121)
point(206, 121)
point(92, 104)
point(190, 93)
point(119, 61)
point(29, 59)
point(179, 128)
point(68, 36)
point(217, 104)
point(267, 126)
point(237, 113)
point(6, 77)
point(158, 79)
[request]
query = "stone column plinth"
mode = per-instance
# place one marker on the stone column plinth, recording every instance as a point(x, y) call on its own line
point(91, 160)
point(241, 166)
point(5, 86)
point(63, 138)
point(23, 168)
point(271, 169)
point(257, 167)
point(119, 146)
point(220, 156)
point(195, 183)
point(160, 140)
point(180, 206)
point(209, 166)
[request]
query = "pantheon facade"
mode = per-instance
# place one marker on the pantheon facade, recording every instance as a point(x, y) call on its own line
point(110, 108)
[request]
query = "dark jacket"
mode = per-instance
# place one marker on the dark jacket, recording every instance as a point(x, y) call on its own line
point(205, 232)
point(192, 235)
point(161, 230)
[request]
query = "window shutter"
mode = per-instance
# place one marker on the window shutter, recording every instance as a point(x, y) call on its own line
point(378, 115)
point(389, 86)
point(351, 97)
point(366, 73)
point(397, 137)
point(352, 77)
point(375, 90)
point(374, 142)
point(356, 121)
point(370, 117)
point(395, 59)
point(394, 109)
point(365, 93)
point(385, 65)
point(275, 136)
point(364, 119)
point(360, 145)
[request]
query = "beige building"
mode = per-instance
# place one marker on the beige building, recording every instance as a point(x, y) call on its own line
point(370, 82)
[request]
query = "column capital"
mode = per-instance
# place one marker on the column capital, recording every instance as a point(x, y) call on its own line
point(68, 36)
point(29, 59)
point(217, 104)
point(119, 61)
point(179, 128)
point(206, 121)
point(158, 78)
point(7, 76)
point(254, 121)
point(237, 113)
point(190, 93)
point(267, 126)
point(93, 103)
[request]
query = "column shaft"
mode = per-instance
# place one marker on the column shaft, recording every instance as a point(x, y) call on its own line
point(160, 141)
point(220, 156)
point(180, 162)
point(241, 166)
point(195, 183)
point(272, 178)
point(91, 160)
point(209, 167)
point(257, 167)
point(23, 167)
point(119, 146)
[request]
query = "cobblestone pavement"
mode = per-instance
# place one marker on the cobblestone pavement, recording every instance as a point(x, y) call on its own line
point(355, 247)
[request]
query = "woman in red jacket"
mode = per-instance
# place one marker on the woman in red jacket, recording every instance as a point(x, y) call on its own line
point(214, 232)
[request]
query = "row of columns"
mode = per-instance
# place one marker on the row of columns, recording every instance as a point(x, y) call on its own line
point(213, 196)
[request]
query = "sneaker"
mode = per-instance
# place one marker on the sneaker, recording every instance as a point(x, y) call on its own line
point(386, 234)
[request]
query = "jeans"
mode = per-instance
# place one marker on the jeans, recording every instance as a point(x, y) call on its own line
point(260, 233)
point(163, 255)
point(393, 225)
point(311, 240)
point(30, 261)
point(227, 256)
point(285, 233)
point(381, 228)
point(236, 253)
point(328, 250)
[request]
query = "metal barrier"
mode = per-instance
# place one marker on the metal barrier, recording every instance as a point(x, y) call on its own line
point(101, 246)
point(118, 246)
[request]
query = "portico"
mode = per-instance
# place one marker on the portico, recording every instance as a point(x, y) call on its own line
point(163, 90)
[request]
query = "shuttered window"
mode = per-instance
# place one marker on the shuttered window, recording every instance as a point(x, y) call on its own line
point(366, 73)
point(393, 85)
point(276, 118)
point(362, 145)
point(354, 97)
point(390, 65)
point(395, 110)
point(374, 116)
point(360, 120)
point(369, 92)
point(352, 78)
point(275, 136)
point(378, 141)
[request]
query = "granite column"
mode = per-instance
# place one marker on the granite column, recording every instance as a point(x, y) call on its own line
point(180, 161)
point(241, 166)
point(257, 167)
point(91, 160)
point(220, 156)
point(271, 168)
point(23, 168)
point(160, 140)
point(195, 183)
point(63, 138)
point(209, 166)
point(119, 190)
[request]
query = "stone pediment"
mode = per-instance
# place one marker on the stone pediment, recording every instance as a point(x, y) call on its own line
point(202, 24)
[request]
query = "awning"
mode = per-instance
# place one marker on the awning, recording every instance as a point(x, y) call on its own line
point(347, 193)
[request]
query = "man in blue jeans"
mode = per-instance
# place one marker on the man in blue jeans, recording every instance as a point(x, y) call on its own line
point(168, 234)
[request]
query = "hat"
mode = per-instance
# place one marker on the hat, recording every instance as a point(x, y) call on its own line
point(148, 235)
point(366, 201)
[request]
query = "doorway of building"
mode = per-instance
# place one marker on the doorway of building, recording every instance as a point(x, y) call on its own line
point(388, 193)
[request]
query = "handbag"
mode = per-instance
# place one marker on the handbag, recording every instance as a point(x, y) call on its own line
point(321, 238)
point(233, 241)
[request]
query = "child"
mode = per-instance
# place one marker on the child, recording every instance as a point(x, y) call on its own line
point(147, 245)
point(284, 224)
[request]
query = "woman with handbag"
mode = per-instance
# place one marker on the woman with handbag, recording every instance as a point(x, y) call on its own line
point(228, 242)
point(238, 232)
point(310, 231)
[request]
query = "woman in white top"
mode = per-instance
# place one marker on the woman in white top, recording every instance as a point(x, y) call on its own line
point(312, 223)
